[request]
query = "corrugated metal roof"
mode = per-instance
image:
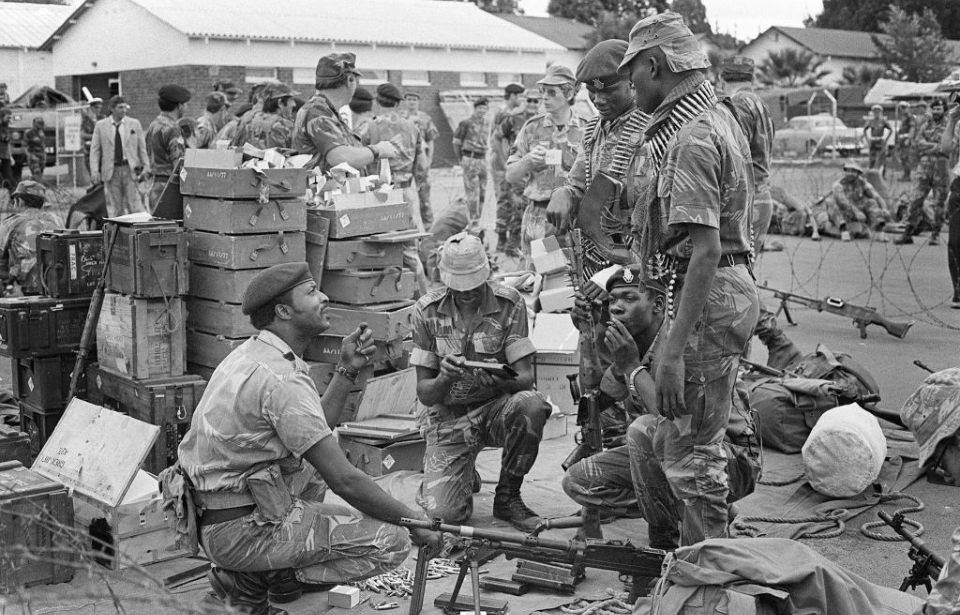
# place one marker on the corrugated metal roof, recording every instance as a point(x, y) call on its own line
point(29, 25)
point(842, 43)
point(568, 33)
point(425, 23)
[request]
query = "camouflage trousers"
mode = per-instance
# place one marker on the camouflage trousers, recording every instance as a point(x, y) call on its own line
point(455, 437)
point(37, 163)
point(762, 214)
point(933, 173)
point(325, 543)
point(474, 184)
point(510, 204)
point(423, 192)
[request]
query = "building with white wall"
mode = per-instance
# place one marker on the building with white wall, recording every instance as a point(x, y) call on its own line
point(24, 28)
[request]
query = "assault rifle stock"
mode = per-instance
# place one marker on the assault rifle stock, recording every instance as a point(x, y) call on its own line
point(926, 564)
point(862, 316)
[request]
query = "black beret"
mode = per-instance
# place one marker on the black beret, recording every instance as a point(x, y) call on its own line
point(481, 101)
point(388, 91)
point(599, 68)
point(273, 282)
point(513, 88)
point(174, 93)
point(632, 276)
point(362, 94)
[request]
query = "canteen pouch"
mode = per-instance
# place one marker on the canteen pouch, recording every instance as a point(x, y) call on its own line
point(270, 493)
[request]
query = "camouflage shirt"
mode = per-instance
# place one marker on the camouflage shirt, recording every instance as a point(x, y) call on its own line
point(541, 130)
point(206, 134)
point(754, 118)
point(471, 135)
point(243, 125)
point(599, 150)
point(424, 123)
point(259, 406)
point(268, 130)
point(927, 136)
point(165, 145)
point(34, 140)
point(501, 334)
point(855, 190)
point(318, 129)
point(404, 135)
point(509, 127)
point(18, 245)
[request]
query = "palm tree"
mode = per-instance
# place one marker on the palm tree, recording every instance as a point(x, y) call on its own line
point(863, 74)
point(792, 67)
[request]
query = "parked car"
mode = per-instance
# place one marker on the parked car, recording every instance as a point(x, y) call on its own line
point(812, 135)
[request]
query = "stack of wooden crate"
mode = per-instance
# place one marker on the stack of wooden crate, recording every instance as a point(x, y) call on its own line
point(141, 333)
point(41, 334)
point(239, 221)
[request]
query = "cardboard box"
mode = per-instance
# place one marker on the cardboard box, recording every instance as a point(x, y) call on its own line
point(243, 183)
point(368, 287)
point(558, 356)
point(344, 596)
point(556, 426)
point(557, 299)
point(220, 284)
point(98, 453)
point(244, 217)
point(142, 338)
point(389, 321)
point(364, 213)
point(218, 318)
point(547, 256)
point(553, 281)
point(149, 258)
point(246, 251)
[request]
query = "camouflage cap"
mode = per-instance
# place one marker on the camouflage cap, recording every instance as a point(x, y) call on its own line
point(216, 101)
point(600, 67)
point(558, 75)
point(668, 32)
point(279, 90)
point(737, 68)
point(463, 262)
point(932, 413)
point(333, 66)
point(30, 188)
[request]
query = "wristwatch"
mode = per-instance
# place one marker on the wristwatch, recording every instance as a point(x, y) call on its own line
point(346, 372)
point(633, 375)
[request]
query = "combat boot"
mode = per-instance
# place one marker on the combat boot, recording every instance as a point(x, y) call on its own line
point(907, 238)
point(285, 587)
point(509, 506)
point(245, 591)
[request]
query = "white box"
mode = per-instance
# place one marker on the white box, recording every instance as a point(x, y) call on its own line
point(556, 426)
point(557, 342)
point(557, 299)
point(344, 596)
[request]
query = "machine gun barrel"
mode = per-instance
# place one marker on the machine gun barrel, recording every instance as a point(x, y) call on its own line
point(927, 565)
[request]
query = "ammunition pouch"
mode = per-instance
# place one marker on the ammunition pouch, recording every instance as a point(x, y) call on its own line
point(270, 493)
point(178, 492)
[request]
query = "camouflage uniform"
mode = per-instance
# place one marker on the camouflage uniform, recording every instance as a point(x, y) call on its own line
point(497, 160)
point(268, 130)
point(318, 129)
point(945, 597)
point(754, 118)
point(683, 189)
point(243, 125)
point(855, 203)
point(510, 198)
point(36, 152)
point(428, 133)
point(933, 174)
point(541, 130)
point(473, 417)
point(18, 245)
point(206, 134)
point(165, 147)
point(470, 139)
point(262, 410)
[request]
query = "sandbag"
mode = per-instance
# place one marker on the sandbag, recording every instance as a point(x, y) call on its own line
point(844, 452)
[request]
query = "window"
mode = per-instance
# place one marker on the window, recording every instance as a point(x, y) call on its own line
point(505, 79)
point(473, 80)
point(415, 77)
point(373, 76)
point(305, 76)
point(257, 74)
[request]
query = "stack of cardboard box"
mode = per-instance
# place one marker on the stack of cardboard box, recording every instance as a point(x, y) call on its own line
point(549, 260)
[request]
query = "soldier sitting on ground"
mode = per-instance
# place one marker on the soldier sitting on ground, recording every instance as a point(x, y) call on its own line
point(853, 209)
point(18, 236)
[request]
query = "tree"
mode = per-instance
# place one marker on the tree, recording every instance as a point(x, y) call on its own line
point(864, 75)
point(593, 12)
point(867, 15)
point(914, 48)
point(695, 14)
point(792, 67)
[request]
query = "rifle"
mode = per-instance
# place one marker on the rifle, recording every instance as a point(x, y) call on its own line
point(862, 316)
point(927, 565)
point(624, 558)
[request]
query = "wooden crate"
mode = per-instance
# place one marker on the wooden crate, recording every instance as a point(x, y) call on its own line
point(41, 326)
point(98, 454)
point(209, 350)
point(326, 349)
point(31, 505)
point(165, 402)
point(219, 318)
point(361, 254)
point(142, 338)
point(365, 213)
point(14, 445)
point(244, 183)
point(387, 321)
point(149, 259)
point(244, 217)
point(220, 284)
point(38, 424)
point(367, 287)
point(246, 251)
point(316, 237)
point(70, 262)
point(44, 382)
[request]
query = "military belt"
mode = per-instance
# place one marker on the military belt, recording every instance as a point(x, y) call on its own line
point(222, 515)
point(727, 260)
point(216, 500)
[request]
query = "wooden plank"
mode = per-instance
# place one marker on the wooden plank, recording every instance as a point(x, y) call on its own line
point(392, 394)
point(96, 451)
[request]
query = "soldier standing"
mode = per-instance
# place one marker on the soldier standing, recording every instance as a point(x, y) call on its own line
point(499, 149)
point(35, 141)
point(907, 122)
point(876, 132)
point(933, 172)
point(212, 121)
point(470, 146)
point(428, 134)
point(510, 202)
point(272, 126)
point(165, 142)
point(544, 152)
point(6, 156)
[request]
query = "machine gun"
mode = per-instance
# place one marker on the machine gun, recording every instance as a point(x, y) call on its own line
point(926, 564)
point(862, 316)
point(624, 558)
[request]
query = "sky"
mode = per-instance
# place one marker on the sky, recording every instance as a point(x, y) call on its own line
point(743, 18)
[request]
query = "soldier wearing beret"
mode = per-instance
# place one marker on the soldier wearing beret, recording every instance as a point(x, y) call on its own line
point(361, 108)
point(544, 151)
point(693, 218)
point(470, 146)
point(321, 132)
point(165, 142)
point(428, 133)
point(272, 126)
point(405, 137)
point(262, 520)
